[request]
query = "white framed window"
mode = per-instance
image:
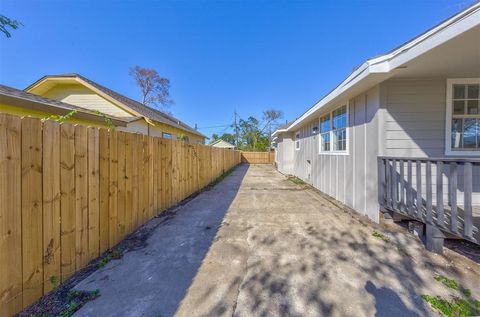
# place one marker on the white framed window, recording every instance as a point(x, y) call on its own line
point(462, 128)
point(297, 141)
point(166, 135)
point(334, 131)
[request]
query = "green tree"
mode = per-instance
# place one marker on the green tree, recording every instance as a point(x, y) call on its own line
point(226, 137)
point(253, 134)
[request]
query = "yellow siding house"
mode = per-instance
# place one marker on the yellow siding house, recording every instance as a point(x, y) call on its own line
point(20, 103)
point(82, 92)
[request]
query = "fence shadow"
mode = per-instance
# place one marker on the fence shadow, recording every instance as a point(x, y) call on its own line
point(153, 280)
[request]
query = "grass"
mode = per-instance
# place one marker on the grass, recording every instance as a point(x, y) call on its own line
point(380, 236)
point(457, 306)
point(296, 180)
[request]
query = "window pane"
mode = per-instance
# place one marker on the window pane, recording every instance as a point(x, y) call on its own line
point(315, 130)
point(325, 124)
point(458, 91)
point(472, 107)
point(340, 140)
point(457, 131)
point(459, 107)
point(470, 133)
point(473, 91)
point(166, 135)
point(340, 118)
point(325, 138)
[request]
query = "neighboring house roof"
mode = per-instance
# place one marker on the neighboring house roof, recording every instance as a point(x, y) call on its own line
point(20, 98)
point(135, 106)
point(380, 68)
point(222, 143)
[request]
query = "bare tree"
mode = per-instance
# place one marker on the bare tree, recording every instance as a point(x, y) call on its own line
point(270, 117)
point(5, 23)
point(154, 88)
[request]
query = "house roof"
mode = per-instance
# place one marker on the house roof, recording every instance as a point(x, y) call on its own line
point(226, 143)
point(20, 98)
point(135, 106)
point(378, 69)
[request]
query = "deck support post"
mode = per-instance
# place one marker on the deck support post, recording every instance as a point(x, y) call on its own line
point(387, 216)
point(434, 238)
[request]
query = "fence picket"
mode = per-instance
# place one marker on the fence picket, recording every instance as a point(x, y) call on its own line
point(70, 192)
point(10, 215)
point(32, 237)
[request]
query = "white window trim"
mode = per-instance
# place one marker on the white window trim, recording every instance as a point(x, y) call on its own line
point(448, 123)
point(347, 129)
point(297, 140)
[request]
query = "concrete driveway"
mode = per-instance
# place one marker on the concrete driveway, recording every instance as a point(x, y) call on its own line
point(258, 245)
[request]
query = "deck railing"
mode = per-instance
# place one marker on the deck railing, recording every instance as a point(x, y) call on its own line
point(438, 191)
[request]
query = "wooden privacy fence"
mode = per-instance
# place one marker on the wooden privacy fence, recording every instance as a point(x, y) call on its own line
point(70, 192)
point(258, 157)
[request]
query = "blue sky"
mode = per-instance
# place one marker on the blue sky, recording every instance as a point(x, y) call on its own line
point(220, 56)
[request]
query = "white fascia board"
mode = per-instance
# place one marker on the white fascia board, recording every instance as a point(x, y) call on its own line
point(387, 63)
point(445, 34)
point(277, 132)
point(358, 75)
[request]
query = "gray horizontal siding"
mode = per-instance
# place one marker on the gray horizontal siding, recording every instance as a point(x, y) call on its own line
point(415, 127)
point(415, 117)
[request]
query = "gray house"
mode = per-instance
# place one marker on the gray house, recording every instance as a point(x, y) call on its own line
point(401, 134)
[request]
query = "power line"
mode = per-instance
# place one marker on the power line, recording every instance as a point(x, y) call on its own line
point(216, 126)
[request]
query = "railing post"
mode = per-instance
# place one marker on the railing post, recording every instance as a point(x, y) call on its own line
point(419, 189)
point(394, 185)
point(453, 197)
point(388, 188)
point(402, 185)
point(409, 188)
point(467, 200)
point(428, 184)
point(440, 217)
point(381, 183)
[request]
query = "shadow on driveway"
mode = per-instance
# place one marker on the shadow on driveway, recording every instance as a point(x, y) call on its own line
point(152, 280)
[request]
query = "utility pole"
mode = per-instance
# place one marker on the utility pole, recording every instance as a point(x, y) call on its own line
point(235, 127)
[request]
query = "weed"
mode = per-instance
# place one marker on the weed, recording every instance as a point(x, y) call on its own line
point(76, 299)
point(296, 180)
point(115, 254)
point(457, 307)
point(380, 236)
point(220, 178)
point(466, 292)
point(447, 282)
point(55, 281)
